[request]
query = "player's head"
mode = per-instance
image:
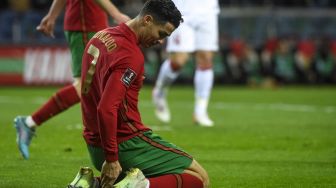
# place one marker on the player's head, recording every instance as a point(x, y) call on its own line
point(162, 11)
point(159, 18)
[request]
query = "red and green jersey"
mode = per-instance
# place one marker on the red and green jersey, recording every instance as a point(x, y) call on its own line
point(85, 16)
point(112, 75)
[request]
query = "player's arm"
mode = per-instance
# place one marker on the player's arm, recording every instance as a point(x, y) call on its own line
point(113, 95)
point(113, 11)
point(48, 22)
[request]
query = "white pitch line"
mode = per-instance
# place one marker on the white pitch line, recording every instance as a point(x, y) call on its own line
point(256, 106)
point(74, 127)
point(18, 100)
point(215, 105)
point(160, 128)
point(269, 106)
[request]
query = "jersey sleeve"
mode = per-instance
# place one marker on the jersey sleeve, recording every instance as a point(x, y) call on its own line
point(113, 94)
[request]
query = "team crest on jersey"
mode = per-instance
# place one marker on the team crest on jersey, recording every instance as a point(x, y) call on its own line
point(128, 77)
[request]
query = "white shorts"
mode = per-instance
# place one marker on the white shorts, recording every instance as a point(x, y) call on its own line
point(195, 33)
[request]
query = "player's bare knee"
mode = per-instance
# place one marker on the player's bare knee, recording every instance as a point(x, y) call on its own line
point(178, 60)
point(205, 178)
point(175, 66)
point(197, 170)
point(204, 60)
point(204, 66)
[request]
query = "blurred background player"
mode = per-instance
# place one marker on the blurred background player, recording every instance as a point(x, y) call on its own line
point(117, 140)
point(199, 34)
point(82, 19)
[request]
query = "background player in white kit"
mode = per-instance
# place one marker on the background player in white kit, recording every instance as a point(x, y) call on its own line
point(198, 33)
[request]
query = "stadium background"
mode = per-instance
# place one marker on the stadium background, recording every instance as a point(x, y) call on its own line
point(262, 42)
point(265, 138)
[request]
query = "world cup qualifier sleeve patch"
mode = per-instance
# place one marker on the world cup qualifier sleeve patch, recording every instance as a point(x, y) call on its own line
point(128, 77)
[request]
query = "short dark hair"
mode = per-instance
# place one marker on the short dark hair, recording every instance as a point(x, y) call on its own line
point(162, 11)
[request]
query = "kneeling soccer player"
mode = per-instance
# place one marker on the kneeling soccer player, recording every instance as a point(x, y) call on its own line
point(117, 140)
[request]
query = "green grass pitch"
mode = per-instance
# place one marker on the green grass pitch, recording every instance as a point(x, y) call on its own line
point(263, 138)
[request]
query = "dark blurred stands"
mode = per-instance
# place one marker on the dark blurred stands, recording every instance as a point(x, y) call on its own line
point(267, 42)
point(21, 18)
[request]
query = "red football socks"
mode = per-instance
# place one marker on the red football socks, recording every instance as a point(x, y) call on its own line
point(62, 100)
point(175, 181)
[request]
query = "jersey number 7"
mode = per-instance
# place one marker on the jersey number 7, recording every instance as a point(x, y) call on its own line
point(94, 51)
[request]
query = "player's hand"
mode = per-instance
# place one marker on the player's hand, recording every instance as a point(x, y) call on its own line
point(109, 173)
point(47, 26)
point(121, 18)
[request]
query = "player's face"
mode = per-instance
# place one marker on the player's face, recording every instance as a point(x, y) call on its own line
point(156, 33)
